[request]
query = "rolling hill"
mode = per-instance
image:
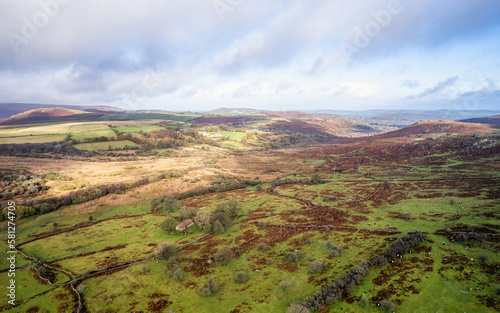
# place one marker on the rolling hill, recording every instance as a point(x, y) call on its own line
point(491, 120)
point(10, 109)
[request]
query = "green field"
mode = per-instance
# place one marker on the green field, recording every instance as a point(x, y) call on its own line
point(93, 134)
point(136, 129)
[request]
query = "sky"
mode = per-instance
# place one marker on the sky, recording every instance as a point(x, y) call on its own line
point(195, 55)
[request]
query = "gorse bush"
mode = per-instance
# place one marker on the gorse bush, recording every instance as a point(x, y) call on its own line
point(166, 251)
point(294, 256)
point(284, 285)
point(316, 267)
point(224, 255)
point(241, 277)
point(262, 246)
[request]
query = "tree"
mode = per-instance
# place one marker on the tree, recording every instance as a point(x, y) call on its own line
point(168, 225)
point(166, 251)
point(232, 207)
point(316, 179)
point(218, 228)
point(222, 218)
point(202, 219)
point(170, 204)
point(224, 255)
point(187, 213)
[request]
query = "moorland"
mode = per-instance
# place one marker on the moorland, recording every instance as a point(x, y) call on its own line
point(250, 212)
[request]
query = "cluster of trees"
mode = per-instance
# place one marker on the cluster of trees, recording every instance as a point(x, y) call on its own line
point(221, 185)
point(315, 179)
point(216, 222)
point(166, 138)
point(166, 204)
point(43, 206)
point(41, 150)
point(339, 289)
point(400, 247)
point(12, 185)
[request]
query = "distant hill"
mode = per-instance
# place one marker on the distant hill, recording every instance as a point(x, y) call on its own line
point(428, 129)
point(37, 115)
point(409, 116)
point(235, 111)
point(491, 120)
point(10, 109)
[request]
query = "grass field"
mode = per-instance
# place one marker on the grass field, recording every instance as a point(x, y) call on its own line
point(136, 129)
point(32, 139)
point(93, 134)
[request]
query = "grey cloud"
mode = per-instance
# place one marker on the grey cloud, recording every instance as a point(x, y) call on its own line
point(440, 86)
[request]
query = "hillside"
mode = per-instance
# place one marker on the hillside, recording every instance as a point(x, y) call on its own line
point(10, 109)
point(491, 120)
point(37, 115)
point(234, 111)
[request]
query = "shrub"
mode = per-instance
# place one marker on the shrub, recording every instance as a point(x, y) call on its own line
point(496, 289)
point(262, 246)
point(293, 256)
point(165, 251)
point(334, 253)
point(210, 287)
point(168, 225)
point(66, 187)
point(241, 277)
point(176, 273)
point(329, 198)
point(316, 267)
point(387, 305)
point(284, 285)
point(297, 308)
point(224, 255)
point(364, 301)
point(483, 258)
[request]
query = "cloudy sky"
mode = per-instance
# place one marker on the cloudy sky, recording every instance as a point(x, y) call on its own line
point(266, 54)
